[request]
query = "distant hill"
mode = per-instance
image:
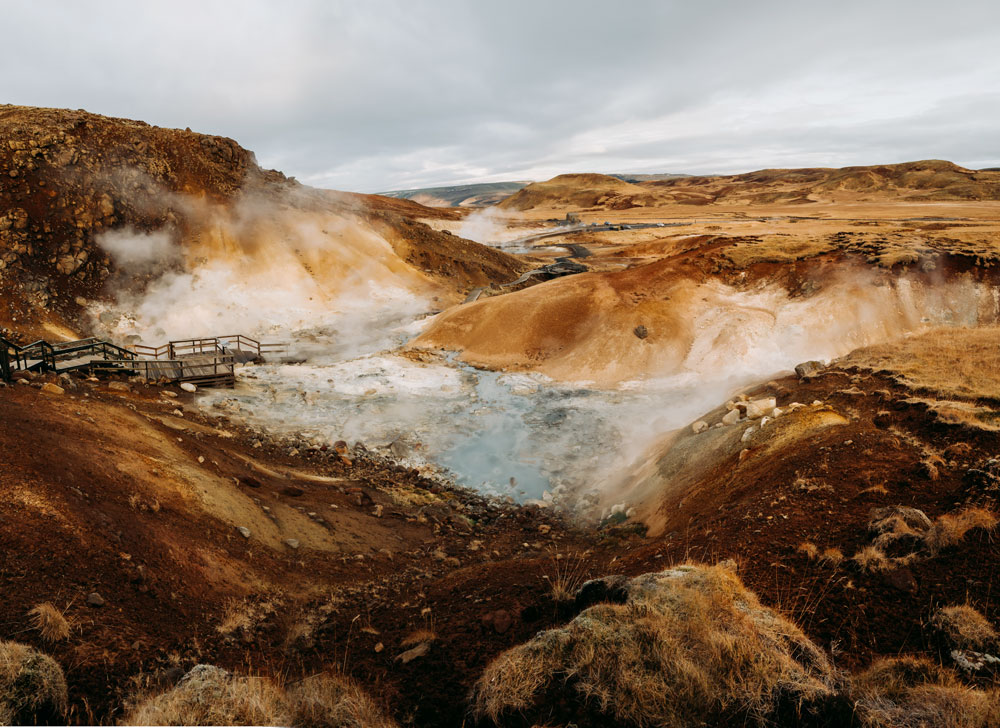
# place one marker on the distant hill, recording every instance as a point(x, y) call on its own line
point(649, 177)
point(927, 180)
point(477, 195)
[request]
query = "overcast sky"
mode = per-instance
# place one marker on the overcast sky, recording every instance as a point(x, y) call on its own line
point(377, 95)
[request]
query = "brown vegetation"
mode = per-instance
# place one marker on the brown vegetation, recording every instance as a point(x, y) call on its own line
point(963, 363)
point(911, 692)
point(964, 627)
point(690, 644)
point(32, 686)
point(209, 696)
point(50, 623)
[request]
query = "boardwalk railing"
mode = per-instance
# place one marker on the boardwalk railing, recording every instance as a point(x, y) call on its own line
point(37, 355)
point(201, 370)
point(206, 346)
point(208, 360)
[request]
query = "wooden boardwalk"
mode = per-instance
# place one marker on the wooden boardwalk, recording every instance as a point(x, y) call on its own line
point(208, 361)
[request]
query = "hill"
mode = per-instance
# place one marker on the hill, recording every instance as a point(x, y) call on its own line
point(70, 178)
point(475, 195)
point(927, 181)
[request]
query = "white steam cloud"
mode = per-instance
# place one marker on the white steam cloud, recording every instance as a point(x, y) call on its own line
point(495, 228)
point(139, 252)
point(268, 268)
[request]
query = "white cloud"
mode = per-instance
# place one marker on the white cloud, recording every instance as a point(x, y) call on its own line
point(383, 94)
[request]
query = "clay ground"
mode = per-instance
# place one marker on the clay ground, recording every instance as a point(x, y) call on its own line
point(114, 485)
point(125, 494)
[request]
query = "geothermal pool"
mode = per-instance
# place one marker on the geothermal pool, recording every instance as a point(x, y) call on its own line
point(505, 434)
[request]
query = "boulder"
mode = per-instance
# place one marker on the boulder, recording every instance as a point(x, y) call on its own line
point(808, 368)
point(48, 388)
point(760, 407)
point(188, 387)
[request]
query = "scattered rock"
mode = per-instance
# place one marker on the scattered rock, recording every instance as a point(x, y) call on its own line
point(640, 331)
point(808, 369)
point(244, 531)
point(419, 651)
point(95, 600)
point(760, 407)
point(731, 417)
point(119, 387)
point(48, 388)
point(292, 543)
point(699, 426)
point(189, 387)
point(500, 621)
point(901, 578)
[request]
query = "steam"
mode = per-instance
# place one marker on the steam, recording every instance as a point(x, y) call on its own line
point(496, 228)
point(265, 267)
point(287, 269)
point(138, 252)
point(526, 436)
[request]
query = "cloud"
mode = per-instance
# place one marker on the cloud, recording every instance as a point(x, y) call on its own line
point(382, 95)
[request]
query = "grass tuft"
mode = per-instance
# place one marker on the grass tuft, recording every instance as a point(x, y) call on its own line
point(49, 622)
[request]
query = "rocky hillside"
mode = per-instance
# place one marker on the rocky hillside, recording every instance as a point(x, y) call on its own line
point(67, 176)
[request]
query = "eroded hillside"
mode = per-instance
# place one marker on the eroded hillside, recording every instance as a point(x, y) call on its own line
point(67, 178)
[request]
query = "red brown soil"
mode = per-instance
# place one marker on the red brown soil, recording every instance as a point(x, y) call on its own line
point(821, 489)
point(69, 528)
point(103, 491)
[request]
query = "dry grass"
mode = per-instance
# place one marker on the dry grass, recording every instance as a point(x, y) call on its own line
point(962, 626)
point(243, 615)
point(910, 692)
point(911, 534)
point(210, 696)
point(49, 622)
point(951, 362)
point(832, 556)
point(333, 701)
point(32, 686)
point(951, 528)
point(873, 560)
point(690, 644)
point(570, 570)
point(775, 249)
point(809, 550)
point(143, 504)
point(418, 637)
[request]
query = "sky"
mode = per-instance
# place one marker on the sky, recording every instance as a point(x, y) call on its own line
point(381, 95)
